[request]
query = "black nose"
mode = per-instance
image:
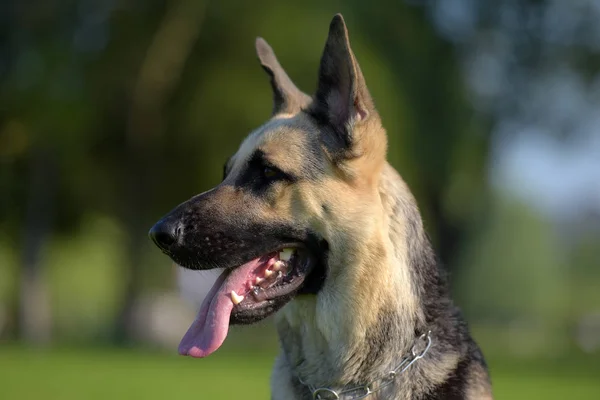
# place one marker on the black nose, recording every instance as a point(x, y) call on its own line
point(164, 233)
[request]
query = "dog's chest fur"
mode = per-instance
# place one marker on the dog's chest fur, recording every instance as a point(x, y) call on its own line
point(352, 334)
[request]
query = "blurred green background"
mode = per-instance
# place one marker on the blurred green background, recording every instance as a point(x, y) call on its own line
point(114, 111)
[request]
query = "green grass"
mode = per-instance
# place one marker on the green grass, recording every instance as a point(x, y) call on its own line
point(576, 378)
point(135, 374)
point(112, 374)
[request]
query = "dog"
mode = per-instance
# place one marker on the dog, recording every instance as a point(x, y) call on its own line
point(311, 223)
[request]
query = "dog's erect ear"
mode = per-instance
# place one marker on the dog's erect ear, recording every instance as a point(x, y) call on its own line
point(342, 99)
point(287, 98)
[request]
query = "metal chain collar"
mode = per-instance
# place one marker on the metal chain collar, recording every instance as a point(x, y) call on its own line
point(363, 391)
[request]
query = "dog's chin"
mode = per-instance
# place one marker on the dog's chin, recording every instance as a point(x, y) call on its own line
point(249, 293)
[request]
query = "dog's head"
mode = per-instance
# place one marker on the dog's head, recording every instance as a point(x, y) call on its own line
point(300, 190)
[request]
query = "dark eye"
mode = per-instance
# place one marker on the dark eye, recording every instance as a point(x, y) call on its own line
point(270, 172)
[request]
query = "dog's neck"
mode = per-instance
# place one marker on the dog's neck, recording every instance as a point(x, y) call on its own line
point(356, 330)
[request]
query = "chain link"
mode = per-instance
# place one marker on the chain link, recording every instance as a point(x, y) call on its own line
point(364, 391)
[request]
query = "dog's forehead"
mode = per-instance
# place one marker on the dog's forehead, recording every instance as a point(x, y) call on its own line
point(285, 141)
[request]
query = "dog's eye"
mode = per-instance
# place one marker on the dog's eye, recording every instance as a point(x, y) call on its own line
point(270, 172)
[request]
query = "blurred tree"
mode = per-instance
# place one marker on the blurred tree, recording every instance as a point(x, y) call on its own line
point(37, 90)
point(159, 75)
point(126, 108)
point(113, 83)
point(34, 314)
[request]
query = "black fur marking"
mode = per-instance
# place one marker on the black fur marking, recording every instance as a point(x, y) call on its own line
point(253, 176)
point(316, 278)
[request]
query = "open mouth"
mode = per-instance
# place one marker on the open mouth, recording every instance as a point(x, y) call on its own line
point(246, 294)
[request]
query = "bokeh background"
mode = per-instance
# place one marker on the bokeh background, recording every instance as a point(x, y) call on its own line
point(114, 111)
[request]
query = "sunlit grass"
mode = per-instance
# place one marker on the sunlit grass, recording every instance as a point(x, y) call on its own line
point(111, 374)
point(126, 374)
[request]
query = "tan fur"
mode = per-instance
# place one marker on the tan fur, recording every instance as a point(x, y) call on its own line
point(481, 389)
point(335, 322)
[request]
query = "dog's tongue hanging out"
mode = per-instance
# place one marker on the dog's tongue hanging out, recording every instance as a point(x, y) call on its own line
point(210, 328)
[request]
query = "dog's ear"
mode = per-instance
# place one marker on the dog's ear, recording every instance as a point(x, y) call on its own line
point(287, 98)
point(342, 100)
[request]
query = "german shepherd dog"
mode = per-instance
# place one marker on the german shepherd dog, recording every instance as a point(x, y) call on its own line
point(312, 223)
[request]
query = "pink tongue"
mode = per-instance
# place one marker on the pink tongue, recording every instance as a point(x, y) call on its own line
point(210, 328)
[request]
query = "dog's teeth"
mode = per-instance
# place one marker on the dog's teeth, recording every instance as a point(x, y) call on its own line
point(269, 272)
point(258, 280)
point(236, 298)
point(278, 265)
point(286, 254)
